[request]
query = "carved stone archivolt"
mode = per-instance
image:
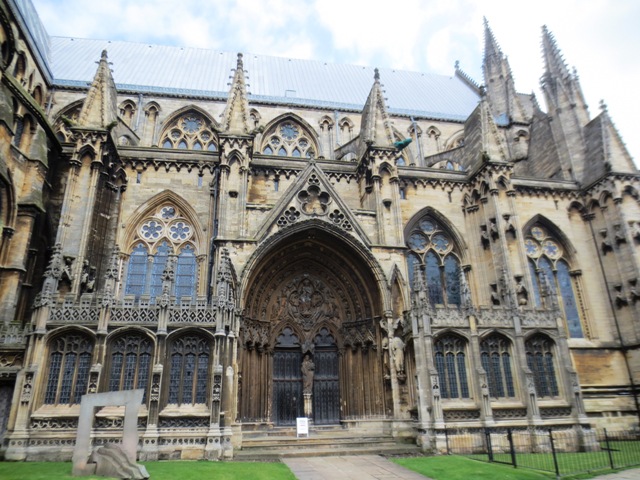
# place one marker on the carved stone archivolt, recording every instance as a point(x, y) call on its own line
point(307, 301)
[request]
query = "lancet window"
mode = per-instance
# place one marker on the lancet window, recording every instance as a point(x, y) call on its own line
point(190, 131)
point(68, 368)
point(495, 354)
point(130, 362)
point(189, 370)
point(432, 259)
point(551, 276)
point(540, 360)
point(289, 139)
point(164, 239)
point(450, 360)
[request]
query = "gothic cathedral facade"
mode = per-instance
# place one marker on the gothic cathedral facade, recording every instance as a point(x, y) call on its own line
point(453, 256)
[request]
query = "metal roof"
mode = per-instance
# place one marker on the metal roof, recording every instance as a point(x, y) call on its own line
point(189, 71)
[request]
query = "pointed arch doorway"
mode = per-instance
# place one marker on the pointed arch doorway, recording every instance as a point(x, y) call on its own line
point(310, 343)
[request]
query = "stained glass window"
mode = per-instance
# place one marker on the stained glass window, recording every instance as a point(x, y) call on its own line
point(190, 132)
point(165, 232)
point(496, 361)
point(189, 370)
point(185, 272)
point(130, 362)
point(450, 359)
point(540, 360)
point(550, 275)
point(68, 370)
point(433, 249)
point(288, 139)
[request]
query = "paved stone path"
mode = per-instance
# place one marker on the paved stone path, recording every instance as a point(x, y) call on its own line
point(375, 467)
point(349, 467)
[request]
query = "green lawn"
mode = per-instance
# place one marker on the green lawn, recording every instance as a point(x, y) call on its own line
point(454, 467)
point(158, 470)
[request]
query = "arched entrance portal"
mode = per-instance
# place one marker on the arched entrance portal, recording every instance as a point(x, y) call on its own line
point(310, 337)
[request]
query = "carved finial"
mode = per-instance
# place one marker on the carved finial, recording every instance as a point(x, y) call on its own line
point(457, 65)
point(376, 74)
point(603, 106)
point(240, 64)
point(103, 56)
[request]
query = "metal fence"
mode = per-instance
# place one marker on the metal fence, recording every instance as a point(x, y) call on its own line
point(564, 452)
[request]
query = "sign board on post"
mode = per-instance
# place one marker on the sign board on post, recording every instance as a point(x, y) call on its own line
point(302, 426)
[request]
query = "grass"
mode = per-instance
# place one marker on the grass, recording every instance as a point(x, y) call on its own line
point(181, 470)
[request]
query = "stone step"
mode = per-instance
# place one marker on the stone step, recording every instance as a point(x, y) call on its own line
point(260, 454)
point(296, 442)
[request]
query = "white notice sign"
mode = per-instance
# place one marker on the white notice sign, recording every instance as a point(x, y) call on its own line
point(302, 426)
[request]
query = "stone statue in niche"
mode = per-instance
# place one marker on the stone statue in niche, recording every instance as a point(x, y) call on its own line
point(397, 354)
point(495, 294)
point(308, 370)
point(521, 292)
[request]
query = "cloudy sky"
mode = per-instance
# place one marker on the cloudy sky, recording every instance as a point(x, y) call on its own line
point(600, 38)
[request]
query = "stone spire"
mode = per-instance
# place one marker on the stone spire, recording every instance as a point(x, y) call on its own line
point(499, 82)
point(375, 127)
point(100, 108)
point(236, 113)
point(567, 108)
point(560, 86)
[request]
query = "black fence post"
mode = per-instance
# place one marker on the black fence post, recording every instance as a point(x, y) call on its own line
point(487, 436)
point(553, 451)
point(512, 450)
point(606, 441)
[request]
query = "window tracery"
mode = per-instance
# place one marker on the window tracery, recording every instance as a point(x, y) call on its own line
point(450, 359)
point(432, 255)
point(68, 368)
point(189, 370)
point(289, 139)
point(551, 275)
point(495, 354)
point(540, 360)
point(190, 131)
point(164, 234)
point(130, 362)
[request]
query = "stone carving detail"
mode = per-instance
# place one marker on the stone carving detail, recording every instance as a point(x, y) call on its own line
point(225, 291)
point(621, 297)
point(185, 313)
point(505, 413)
point(54, 423)
point(184, 422)
point(538, 319)
point(290, 215)
point(254, 333)
point(338, 218)
point(134, 315)
point(11, 359)
point(69, 313)
point(605, 243)
point(27, 388)
point(522, 296)
point(457, 415)
point(183, 441)
point(313, 201)
point(449, 317)
point(555, 412)
point(358, 334)
point(13, 335)
point(217, 388)
point(307, 301)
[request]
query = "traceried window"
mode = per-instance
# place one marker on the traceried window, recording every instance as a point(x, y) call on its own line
point(432, 256)
point(289, 139)
point(551, 276)
point(189, 370)
point(496, 361)
point(540, 360)
point(166, 235)
point(68, 368)
point(130, 362)
point(190, 131)
point(451, 365)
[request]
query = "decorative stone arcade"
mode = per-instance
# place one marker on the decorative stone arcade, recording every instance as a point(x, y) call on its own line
point(311, 343)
